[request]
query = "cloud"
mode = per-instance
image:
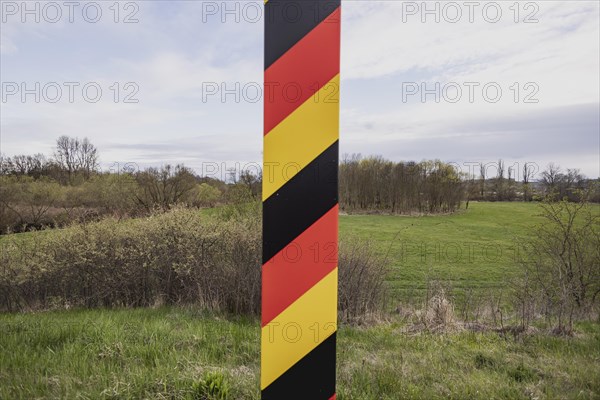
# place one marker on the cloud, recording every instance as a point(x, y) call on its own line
point(564, 135)
point(170, 53)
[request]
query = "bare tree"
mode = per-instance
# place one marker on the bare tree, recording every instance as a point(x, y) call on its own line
point(509, 193)
point(482, 179)
point(22, 165)
point(559, 185)
point(374, 183)
point(165, 187)
point(527, 175)
point(550, 178)
point(499, 184)
point(74, 155)
point(564, 261)
point(5, 165)
point(87, 157)
point(64, 154)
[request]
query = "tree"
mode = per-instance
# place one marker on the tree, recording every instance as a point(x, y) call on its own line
point(550, 178)
point(510, 192)
point(374, 183)
point(8, 195)
point(109, 194)
point(25, 165)
point(482, 180)
point(5, 165)
point(471, 190)
point(499, 184)
point(74, 155)
point(165, 186)
point(527, 176)
point(558, 185)
point(207, 195)
point(253, 182)
point(571, 184)
point(87, 157)
point(29, 199)
point(563, 260)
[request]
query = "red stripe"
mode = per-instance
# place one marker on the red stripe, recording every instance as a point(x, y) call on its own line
point(299, 266)
point(332, 397)
point(302, 71)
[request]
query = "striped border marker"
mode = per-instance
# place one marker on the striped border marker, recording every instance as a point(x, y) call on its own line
point(300, 199)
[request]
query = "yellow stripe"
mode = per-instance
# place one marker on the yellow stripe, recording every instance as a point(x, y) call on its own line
point(301, 137)
point(299, 329)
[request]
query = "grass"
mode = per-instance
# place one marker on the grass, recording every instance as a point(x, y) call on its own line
point(23, 235)
point(381, 363)
point(125, 354)
point(472, 250)
point(176, 353)
point(475, 248)
point(173, 353)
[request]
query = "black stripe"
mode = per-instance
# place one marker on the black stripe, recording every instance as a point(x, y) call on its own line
point(300, 202)
point(311, 378)
point(288, 21)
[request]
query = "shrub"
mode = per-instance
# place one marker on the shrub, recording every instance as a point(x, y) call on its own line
point(362, 274)
point(178, 257)
point(206, 195)
point(561, 266)
point(168, 258)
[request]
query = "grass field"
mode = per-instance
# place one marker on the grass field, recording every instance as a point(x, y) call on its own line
point(475, 248)
point(176, 353)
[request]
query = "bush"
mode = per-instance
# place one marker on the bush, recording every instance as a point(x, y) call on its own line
point(206, 195)
point(27, 202)
point(362, 273)
point(166, 258)
point(178, 257)
point(561, 267)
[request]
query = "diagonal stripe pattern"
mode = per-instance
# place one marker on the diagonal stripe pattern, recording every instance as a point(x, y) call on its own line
point(300, 199)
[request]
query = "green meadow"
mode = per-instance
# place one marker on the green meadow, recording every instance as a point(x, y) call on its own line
point(185, 353)
point(478, 248)
point(174, 353)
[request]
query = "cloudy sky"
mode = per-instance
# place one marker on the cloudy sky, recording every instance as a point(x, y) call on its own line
point(462, 83)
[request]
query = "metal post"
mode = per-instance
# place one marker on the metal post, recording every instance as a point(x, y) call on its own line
point(300, 199)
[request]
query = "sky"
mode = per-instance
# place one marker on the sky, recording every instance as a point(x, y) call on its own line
point(158, 82)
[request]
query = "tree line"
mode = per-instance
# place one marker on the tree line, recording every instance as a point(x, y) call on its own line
point(376, 184)
point(73, 160)
point(553, 183)
point(39, 191)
